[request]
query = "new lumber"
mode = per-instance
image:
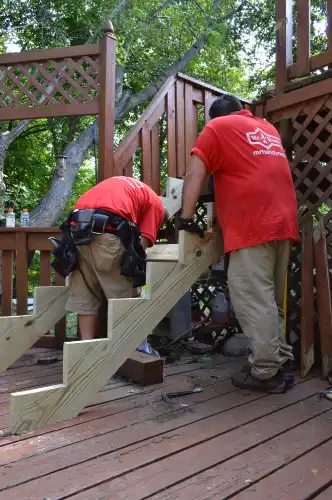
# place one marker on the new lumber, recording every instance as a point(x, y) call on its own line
point(88, 365)
point(19, 333)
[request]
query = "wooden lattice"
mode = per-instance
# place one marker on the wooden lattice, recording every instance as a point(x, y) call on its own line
point(71, 80)
point(311, 168)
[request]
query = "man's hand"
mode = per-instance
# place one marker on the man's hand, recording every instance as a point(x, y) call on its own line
point(191, 226)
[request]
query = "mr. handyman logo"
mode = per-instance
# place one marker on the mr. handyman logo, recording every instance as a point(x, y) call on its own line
point(260, 138)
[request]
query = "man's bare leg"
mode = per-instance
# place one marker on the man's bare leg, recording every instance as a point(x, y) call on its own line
point(88, 326)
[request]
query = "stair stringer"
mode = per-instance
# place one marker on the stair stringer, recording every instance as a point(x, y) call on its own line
point(88, 365)
point(19, 333)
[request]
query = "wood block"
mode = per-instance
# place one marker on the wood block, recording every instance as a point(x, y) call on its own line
point(143, 369)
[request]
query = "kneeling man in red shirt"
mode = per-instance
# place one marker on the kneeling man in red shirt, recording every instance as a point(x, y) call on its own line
point(99, 263)
point(257, 211)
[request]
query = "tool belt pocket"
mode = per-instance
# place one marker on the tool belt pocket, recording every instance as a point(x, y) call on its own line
point(84, 224)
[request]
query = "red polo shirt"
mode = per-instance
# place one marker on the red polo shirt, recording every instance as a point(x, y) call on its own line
point(129, 198)
point(254, 191)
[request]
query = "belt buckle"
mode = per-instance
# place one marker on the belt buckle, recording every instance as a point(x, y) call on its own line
point(102, 228)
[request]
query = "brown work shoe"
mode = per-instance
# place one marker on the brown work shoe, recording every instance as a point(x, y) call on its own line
point(287, 369)
point(273, 385)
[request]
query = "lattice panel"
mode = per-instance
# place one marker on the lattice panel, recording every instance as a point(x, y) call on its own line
point(72, 80)
point(312, 159)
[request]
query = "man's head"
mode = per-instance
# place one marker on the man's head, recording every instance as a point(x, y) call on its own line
point(224, 105)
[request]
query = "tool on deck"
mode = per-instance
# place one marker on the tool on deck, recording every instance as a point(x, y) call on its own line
point(326, 394)
point(167, 396)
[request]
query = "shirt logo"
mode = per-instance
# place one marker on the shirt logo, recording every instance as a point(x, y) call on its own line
point(260, 138)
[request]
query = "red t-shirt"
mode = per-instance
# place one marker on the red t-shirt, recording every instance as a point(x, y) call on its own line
point(129, 198)
point(254, 191)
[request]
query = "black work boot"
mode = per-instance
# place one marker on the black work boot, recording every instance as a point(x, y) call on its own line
point(287, 369)
point(273, 385)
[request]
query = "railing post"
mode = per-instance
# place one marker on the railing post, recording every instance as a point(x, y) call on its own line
point(329, 24)
point(107, 104)
point(303, 38)
point(284, 31)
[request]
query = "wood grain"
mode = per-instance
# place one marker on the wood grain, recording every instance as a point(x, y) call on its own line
point(161, 253)
point(307, 298)
point(89, 364)
point(19, 333)
point(323, 294)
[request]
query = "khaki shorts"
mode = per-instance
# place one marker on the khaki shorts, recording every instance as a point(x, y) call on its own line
point(98, 274)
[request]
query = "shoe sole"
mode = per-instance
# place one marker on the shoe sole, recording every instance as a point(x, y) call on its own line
point(281, 389)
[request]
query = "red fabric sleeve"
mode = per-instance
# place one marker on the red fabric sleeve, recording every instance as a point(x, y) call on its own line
point(207, 147)
point(151, 220)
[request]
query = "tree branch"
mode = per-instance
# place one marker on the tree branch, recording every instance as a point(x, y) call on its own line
point(129, 101)
point(15, 133)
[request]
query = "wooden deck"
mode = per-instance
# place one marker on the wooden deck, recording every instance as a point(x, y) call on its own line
point(129, 444)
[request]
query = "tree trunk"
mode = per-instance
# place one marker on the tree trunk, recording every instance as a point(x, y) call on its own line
point(54, 202)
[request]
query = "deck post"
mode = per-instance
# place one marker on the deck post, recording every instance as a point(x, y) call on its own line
point(284, 31)
point(107, 104)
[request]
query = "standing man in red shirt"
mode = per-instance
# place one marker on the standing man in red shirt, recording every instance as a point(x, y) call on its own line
point(257, 211)
point(99, 262)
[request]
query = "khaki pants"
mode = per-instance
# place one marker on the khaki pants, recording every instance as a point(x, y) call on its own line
point(256, 278)
point(98, 273)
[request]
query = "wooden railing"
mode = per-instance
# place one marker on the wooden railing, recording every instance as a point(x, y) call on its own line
point(305, 63)
point(19, 246)
point(167, 131)
point(66, 81)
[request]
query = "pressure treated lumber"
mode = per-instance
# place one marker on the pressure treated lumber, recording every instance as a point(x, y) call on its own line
point(160, 253)
point(88, 365)
point(19, 333)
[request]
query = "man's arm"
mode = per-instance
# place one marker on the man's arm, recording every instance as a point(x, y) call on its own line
point(193, 183)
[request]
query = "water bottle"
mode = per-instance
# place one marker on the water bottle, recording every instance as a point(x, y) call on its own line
point(10, 218)
point(25, 221)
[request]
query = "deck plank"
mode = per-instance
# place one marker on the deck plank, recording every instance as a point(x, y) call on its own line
point(246, 469)
point(299, 480)
point(175, 455)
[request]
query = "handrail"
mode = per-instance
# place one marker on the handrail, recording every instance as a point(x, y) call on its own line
point(133, 134)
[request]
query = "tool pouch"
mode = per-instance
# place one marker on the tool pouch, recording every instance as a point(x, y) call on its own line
point(65, 256)
point(134, 260)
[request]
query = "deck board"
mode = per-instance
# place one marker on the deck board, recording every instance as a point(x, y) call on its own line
point(220, 443)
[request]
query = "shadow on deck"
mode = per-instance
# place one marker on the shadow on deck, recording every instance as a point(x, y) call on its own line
point(130, 444)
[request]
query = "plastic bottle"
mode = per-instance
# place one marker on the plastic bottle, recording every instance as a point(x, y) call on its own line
point(10, 218)
point(220, 309)
point(25, 220)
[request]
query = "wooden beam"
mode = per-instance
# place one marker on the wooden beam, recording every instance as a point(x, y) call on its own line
point(303, 37)
point(107, 106)
point(323, 294)
point(307, 298)
point(19, 333)
point(300, 95)
point(284, 29)
point(88, 365)
point(163, 253)
point(317, 61)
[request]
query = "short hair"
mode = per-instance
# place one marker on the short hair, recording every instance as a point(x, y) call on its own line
point(224, 105)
